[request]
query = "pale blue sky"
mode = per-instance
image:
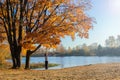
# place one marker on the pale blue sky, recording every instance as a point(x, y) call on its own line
point(107, 15)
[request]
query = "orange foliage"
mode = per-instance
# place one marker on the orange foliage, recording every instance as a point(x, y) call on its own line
point(23, 51)
point(47, 21)
point(57, 19)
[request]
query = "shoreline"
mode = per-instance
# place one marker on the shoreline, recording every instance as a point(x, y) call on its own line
point(7, 65)
point(109, 71)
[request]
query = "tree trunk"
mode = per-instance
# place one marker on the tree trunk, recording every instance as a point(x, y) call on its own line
point(28, 55)
point(14, 61)
point(46, 61)
point(13, 57)
point(16, 58)
point(27, 63)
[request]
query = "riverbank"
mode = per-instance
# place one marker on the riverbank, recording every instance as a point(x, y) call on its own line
point(89, 72)
point(32, 65)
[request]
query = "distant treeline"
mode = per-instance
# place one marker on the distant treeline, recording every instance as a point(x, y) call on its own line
point(112, 48)
point(100, 51)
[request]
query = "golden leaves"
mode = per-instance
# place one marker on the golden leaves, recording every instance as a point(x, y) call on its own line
point(49, 20)
point(29, 46)
point(23, 51)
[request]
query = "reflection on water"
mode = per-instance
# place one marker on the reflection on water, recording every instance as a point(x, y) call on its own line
point(74, 60)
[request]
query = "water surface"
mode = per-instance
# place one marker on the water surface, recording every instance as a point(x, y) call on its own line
point(72, 61)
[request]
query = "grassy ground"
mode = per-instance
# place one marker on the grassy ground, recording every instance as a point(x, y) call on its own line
point(41, 65)
point(90, 72)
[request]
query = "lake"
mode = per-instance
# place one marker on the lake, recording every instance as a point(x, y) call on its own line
point(72, 61)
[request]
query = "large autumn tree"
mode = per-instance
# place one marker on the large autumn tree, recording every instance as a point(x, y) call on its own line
point(11, 22)
point(30, 24)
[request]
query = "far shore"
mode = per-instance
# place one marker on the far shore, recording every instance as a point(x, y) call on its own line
point(109, 71)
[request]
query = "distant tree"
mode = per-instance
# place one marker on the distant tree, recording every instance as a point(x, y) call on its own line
point(99, 50)
point(85, 48)
point(110, 42)
point(99, 47)
point(118, 41)
point(41, 50)
point(69, 50)
point(93, 46)
point(77, 47)
point(61, 49)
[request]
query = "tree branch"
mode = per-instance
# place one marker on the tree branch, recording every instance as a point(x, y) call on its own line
point(36, 48)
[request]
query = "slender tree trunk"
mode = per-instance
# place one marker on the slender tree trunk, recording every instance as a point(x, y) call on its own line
point(28, 55)
point(46, 61)
point(27, 63)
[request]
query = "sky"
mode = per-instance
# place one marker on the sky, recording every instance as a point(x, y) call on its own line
point(107, 16)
